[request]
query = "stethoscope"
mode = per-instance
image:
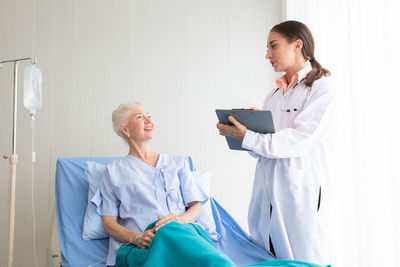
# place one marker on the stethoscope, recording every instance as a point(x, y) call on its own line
point(294, 109)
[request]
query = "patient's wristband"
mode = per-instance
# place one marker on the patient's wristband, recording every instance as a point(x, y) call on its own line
point(137, 239)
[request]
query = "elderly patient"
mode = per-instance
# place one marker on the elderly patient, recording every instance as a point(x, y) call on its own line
point(145, 191)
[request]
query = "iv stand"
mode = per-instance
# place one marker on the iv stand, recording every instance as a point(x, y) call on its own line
point(13, 158)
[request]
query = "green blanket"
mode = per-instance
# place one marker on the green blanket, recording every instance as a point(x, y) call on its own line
point(185, 245)
point(174, 244)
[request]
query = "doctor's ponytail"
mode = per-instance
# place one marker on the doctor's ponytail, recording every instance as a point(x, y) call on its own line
point(316, 72)
point(293, 30)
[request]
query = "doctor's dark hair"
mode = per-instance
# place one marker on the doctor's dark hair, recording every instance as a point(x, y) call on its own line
point(294, 30)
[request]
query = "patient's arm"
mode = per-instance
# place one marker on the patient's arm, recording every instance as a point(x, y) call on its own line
point(192, 214)
point(123, 234)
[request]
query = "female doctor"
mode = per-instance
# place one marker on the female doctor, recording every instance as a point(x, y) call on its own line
point(288, 203)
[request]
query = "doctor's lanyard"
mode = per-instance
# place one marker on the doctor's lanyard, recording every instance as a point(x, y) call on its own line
point(308, 94)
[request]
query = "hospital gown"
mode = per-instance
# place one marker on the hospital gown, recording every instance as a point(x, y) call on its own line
point(138, 193)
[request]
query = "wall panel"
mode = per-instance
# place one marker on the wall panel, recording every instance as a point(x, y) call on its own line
point(181, 59)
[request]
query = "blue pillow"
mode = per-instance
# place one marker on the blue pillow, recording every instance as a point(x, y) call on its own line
point(206, 219)
point(93, 227)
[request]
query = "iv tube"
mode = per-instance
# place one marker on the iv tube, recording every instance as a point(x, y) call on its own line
point(32, 190)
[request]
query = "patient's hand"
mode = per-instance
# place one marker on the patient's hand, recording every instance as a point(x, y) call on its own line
point(145, 238)
point(166, 220)
point(191, 215)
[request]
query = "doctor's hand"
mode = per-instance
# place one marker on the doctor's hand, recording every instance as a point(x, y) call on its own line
point(237, 130)
point(254, 108)
point(143, 240)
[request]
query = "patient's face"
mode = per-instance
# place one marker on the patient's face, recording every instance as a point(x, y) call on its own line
point(140, 125)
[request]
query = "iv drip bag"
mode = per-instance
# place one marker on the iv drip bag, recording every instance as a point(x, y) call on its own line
point(32, 89)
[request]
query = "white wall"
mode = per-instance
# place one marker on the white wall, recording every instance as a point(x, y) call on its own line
point(181, 59)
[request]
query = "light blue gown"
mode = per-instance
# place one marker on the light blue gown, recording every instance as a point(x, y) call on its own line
point(138, 193)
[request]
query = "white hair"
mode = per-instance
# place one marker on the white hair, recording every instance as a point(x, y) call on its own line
point(120, 116)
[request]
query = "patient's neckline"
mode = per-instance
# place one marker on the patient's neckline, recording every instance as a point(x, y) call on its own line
point(145, 163)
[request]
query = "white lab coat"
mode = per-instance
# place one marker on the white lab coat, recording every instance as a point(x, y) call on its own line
point(291, 168)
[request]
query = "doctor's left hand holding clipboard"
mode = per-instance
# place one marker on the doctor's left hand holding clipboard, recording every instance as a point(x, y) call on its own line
point(233, 124)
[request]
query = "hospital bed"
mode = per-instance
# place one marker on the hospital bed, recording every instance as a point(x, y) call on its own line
point(71, 201)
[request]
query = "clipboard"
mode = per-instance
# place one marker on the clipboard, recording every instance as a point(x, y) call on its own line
point(259, 121)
